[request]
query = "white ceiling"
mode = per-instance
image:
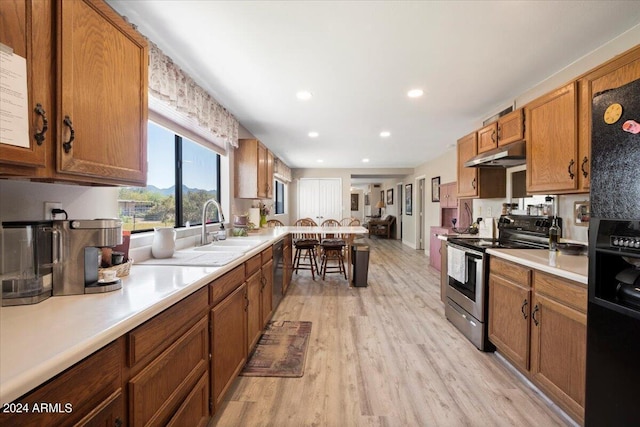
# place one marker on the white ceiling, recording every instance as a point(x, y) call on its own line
point(359, 59)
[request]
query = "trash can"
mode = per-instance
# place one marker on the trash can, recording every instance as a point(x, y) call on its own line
point(360, 263)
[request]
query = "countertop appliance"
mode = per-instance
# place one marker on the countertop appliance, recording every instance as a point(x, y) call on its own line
point(613, 314)
point(468, 270)
point(26, 264)
point(79, 246)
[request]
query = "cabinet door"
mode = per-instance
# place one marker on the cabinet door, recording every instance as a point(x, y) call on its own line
point(444, 272)
point(109, 414)
point(267, 293)
point(434, 247)
point(254, 318)
point(558, 353)
point(552, 142)
point(467, 177)
point(25, 28)
point(269, 174)
point(228, 342)
point(488, 138)
point(102, 73)
point(194, 411)
point(509, 326)
point(511, 127)
point(620, 71)
point(262, 171)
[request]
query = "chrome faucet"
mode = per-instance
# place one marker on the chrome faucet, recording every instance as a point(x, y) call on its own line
point(204, 240)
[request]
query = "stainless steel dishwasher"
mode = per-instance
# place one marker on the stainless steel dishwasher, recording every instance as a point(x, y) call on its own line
point(278, 272)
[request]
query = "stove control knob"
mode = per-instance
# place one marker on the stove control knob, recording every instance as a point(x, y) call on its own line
point(615, 242)
point(636, 244)
point(626, 243)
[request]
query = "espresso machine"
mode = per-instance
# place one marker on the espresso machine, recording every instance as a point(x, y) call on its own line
point(79, 248)
point(26, 263)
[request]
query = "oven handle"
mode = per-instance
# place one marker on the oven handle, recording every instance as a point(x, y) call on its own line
point(467, 251)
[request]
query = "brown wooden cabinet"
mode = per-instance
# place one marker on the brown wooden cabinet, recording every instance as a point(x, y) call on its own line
point(266, 308)
point(552, 142)
point(228, 296)
point(18, 33)
point(435, 253)
point(444, 271)
point(91, 80)
point(619, 71)
point(254, 317)
point(488, 137)
point(538, 321)
point(559, 341)
point(253, 170)
point(511, 127)
point(478, 182)
point(287, 259)
point(509, 310)
point(88, 393)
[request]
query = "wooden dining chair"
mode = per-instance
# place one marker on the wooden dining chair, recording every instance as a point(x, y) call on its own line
point(332, 249)
point(272, 223)
point(305, 244)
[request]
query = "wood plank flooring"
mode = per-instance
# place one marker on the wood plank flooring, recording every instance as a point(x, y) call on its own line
point(384, 355)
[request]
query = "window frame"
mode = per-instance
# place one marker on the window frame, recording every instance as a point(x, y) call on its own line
point(284, 197)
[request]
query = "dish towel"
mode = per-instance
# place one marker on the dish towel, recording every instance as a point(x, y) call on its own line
point(456, 264)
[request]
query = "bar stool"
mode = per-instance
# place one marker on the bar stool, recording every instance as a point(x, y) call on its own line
point(332, 250)
point(305, 257)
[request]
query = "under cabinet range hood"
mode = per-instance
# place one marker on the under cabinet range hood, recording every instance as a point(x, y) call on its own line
point(501, 157)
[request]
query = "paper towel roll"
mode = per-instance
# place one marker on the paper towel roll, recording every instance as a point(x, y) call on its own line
point(254, 216)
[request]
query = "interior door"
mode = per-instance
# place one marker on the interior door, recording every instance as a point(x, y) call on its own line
point(320, 199)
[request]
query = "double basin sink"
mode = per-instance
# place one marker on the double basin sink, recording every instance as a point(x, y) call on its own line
point(214, 254)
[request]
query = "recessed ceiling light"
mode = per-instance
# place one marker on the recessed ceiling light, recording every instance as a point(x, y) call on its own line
point(365, 160)
point(415, 93)
point(304, 95)
point(313, 134)
point(385, 134)
point(320, 160)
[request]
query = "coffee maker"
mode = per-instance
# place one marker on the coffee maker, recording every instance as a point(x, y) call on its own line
point(79, 246)
point(26, 262)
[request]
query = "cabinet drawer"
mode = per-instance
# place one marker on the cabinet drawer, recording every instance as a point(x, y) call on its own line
point(157, 391)
point(512, 271)
point(252, 265)
point(108, 413)
point(267, 254)
point(85, 386)
point(194, 411)
point(152, 337)
point(223, 286)
point(562, 290)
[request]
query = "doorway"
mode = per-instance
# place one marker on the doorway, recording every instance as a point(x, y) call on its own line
point(420, 217)
point(320, 199)
point(400, 202)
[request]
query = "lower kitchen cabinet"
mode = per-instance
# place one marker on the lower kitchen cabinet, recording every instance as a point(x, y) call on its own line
point(228, 331)
point(194, 411)
point(509, 310)
point(88, 393)
point(254, 318)
point(156, 393)
point(266, 306)
point(444, 271)
point(559, 341)
point(538, 321)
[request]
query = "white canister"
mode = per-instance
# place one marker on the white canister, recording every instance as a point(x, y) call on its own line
point(164, 242)
point(254, 216)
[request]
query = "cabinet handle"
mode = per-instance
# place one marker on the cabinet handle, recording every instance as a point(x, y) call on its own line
point(473, 183)
point(571, 174)
point(493, 136)
point(39, 136)
point(533, 314)
point(69, 144)
point(524, 304)
point(499, 132)
point(117, 422)
point(584, 163)
point(263, 280)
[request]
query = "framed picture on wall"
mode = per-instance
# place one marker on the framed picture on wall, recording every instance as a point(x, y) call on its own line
point(408, 199)
point(354, 202)
point(390, 196)
point(435, 189)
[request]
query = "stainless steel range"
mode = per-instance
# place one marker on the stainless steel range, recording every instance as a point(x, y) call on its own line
point(468, 271)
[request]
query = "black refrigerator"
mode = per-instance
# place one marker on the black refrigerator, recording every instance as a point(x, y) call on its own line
point(613, 314)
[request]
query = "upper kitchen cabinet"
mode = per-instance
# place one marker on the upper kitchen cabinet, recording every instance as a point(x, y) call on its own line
point(253, 170)
point(88, 72)
point(478, 182)
point(509, 128)
point(552, 142)
point(26, 41)
point(619, 71)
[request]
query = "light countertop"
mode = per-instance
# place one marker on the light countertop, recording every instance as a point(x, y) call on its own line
point(39, 341)
point(572, 267)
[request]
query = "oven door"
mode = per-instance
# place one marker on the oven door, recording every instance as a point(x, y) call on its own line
point(469, 293)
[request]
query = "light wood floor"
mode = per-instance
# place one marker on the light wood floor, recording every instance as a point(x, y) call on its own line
point(384, 355)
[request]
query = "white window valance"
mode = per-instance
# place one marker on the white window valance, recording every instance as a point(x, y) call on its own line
point(178, 98)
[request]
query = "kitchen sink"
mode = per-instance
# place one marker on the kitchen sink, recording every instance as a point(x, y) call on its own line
point(237, 242)
point(214, 247)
